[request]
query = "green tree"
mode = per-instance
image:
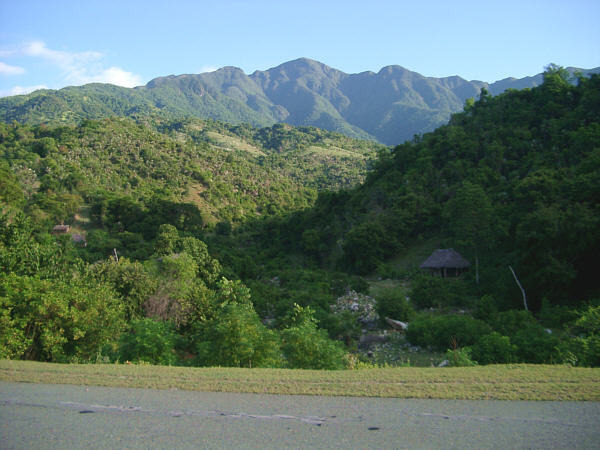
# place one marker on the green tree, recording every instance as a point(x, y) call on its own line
point(130, 280)
point(149, 341)
point(494, 348)
point(236, 337)
point(11, 192)
point(60, 320)
point(469, 216)
point(167, 240)
point(586, 346)
point(307, 347)
point(393, 303)
point(209, 268)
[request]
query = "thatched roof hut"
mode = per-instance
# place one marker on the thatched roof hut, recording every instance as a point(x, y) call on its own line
point(445, 262)
point(61, 229)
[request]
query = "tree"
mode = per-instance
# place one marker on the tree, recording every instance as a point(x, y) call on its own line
point(10, 189)
point(167, 240)
point(130, 280)
point(469, 217)
point(59, 320)
point(307, 347)
point(149, 341)
point(237, 338)
point(494, 348)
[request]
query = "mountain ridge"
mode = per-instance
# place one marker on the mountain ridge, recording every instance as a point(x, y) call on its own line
point(390, 106)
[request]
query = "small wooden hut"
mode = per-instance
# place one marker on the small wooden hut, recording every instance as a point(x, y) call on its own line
point(445, 262)
point(61, 229)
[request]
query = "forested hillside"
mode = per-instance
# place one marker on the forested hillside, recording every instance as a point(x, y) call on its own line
point(512, 180)
point(202, 243)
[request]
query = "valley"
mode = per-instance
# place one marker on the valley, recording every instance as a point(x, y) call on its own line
point(220, 243)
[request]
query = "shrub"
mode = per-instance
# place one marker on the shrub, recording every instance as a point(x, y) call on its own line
point(584, 350)
point(536, 345)
point(237, 338)
point(443, 332)
point(149, 341)
point(461, 329)
point(485, 309)
point(343, 326)
point(307, 347)
point(589, 322)
point(56, 320)
point(420, 330)
point(581, 351)
point(392, 303)
point(494, 348)
point(436, 292)
point(556, 316)
point(460, 357)
point(507, 323)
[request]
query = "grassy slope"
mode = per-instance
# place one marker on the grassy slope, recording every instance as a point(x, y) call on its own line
point(501, 382)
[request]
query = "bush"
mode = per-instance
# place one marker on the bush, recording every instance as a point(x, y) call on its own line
point(581, 351)
point(149, 341)
point(307, 347)
point(343, 326)
point(237, 338)
point(556, 316)
point(589, 322)
point(392, 303)
point(536, 345)
point(420, 330)
point(584, 350)
point(494, 348)
point(485, 309)
point(507, 323)
point(436, 292)
point(460, 357)
point(443, 332)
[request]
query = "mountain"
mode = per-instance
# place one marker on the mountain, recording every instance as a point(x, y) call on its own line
point(390, 106)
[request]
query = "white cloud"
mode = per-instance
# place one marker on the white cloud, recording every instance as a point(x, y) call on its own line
point(6, 69)
point(82, 67)
point(208, 68)
point(20, 90)
point(64, 60)
point(116, 75)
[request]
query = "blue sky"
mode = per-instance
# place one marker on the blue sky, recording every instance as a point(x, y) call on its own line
point(58, 43)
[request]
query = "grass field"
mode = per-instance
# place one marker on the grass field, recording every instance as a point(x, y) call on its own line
point(506, 382)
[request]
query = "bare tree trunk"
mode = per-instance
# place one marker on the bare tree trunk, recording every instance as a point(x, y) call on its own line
point(520, 287)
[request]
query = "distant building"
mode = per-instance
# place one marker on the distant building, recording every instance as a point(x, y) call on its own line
point(445, 262)
point(61, 229)
point(76, 238)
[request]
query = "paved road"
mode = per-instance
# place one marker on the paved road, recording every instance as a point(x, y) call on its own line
point(64, 416)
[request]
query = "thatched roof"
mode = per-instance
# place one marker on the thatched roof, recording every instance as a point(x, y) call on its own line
point(61, 228)
point(445, 258)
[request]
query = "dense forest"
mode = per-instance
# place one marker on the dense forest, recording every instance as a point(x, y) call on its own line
point(199, 242)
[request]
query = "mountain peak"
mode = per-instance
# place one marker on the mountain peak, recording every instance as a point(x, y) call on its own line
point(229, 69)
point(302, 66)
point(391, 106)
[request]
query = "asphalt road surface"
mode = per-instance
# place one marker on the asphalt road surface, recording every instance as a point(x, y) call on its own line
point(66, 416)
